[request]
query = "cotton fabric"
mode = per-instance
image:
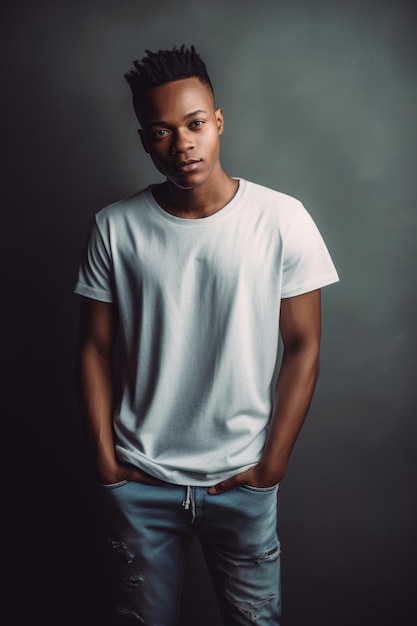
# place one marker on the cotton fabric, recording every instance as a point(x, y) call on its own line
point(199, 303)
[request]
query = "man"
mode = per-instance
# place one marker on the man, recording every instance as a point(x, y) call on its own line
point(214, 286)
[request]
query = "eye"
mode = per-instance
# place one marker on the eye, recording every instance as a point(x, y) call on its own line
point(160, 133)
point(197, 124)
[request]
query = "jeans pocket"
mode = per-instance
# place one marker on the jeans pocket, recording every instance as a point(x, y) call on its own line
point(260, 489)
point(113, 485)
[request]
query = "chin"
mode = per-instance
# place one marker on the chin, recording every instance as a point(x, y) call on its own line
point(186, 184)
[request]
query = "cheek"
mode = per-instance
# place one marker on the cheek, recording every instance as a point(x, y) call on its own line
point(156, 154)
point(213, 140)
point(216, 146)
point(158, 162)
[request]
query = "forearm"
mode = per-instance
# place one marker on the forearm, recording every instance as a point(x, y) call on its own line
point(96, 396)
point(294, 392)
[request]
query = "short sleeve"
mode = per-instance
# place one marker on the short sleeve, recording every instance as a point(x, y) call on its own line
point(307, 264)
point(95, 275)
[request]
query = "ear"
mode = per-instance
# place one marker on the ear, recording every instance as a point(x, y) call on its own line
point(219, 119)
point(143, 140)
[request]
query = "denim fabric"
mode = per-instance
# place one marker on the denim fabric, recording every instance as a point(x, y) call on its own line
point(150, 533)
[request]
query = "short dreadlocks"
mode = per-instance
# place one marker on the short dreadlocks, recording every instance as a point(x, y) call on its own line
point(165, 66)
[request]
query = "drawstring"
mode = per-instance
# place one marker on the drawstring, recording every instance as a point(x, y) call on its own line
point(186, 503)
point(189, 501)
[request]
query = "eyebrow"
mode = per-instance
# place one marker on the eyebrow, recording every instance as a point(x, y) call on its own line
point(186, 117)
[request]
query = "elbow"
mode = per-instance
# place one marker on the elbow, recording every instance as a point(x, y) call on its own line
point(305, 355)
point(307, 346)
point(316, 366)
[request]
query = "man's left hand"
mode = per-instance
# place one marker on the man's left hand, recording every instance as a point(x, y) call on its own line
point(254, 477)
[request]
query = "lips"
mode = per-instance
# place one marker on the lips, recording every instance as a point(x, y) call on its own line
point(188, 166)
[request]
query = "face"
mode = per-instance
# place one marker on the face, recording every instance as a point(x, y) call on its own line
point(181, 132)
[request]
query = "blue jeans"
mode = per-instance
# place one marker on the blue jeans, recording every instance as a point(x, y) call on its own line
point(150, 533)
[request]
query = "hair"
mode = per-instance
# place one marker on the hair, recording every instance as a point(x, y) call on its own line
point(165, 66)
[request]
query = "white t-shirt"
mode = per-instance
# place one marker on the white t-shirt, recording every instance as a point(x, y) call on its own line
point(199, 303)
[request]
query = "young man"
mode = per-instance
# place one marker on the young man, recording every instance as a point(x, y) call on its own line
point(214, 286)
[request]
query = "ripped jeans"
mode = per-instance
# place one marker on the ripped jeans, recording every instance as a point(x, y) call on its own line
point(150, 534)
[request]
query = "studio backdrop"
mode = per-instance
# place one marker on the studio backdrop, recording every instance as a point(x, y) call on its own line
point(319, 101)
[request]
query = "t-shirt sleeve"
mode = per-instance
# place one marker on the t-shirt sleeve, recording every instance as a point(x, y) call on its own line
point(95, 276)
point(307, 264)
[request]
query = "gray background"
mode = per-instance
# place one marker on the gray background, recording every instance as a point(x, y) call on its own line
point(319, 100)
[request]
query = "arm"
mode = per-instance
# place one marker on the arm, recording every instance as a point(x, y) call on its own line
point(97, 336)
point(300, 332)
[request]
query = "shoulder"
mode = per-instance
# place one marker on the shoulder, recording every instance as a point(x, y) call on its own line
point(273, 203)
point(269, 196)
point(125, 209)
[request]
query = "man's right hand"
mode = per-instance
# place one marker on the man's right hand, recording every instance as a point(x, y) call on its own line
point(124, 471)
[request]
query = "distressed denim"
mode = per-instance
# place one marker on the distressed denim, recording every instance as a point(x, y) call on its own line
point(150, 533)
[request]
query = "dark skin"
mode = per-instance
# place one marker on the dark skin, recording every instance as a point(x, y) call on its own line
point(180, 130)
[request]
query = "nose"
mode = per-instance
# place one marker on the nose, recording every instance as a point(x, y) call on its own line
point(182, 141)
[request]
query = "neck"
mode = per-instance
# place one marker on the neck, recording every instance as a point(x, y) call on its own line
point(198, 202)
